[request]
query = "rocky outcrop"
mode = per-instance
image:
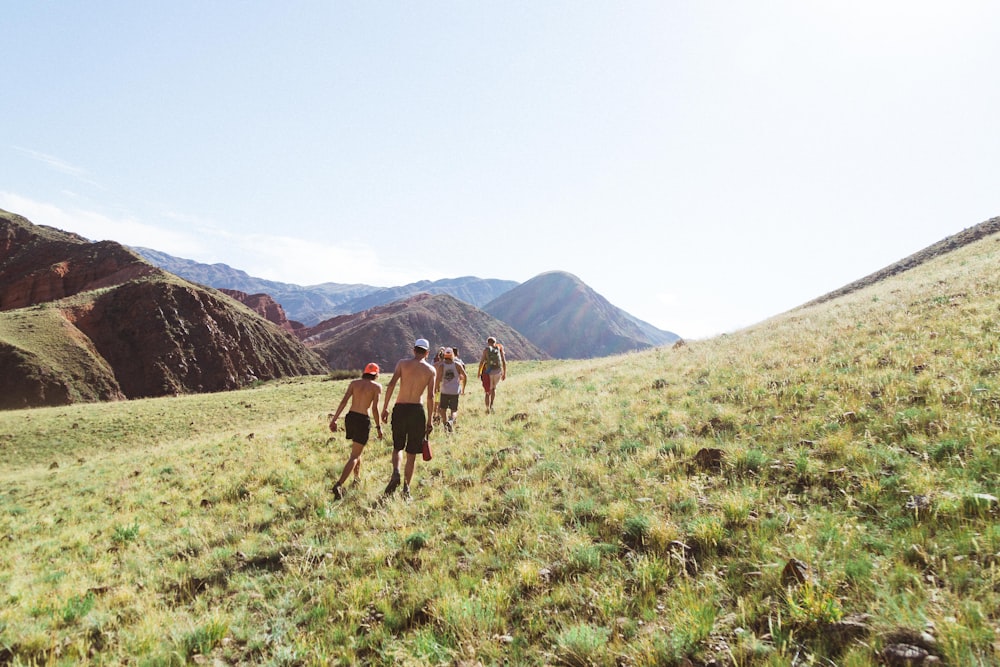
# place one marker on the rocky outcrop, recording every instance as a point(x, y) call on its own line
point(82, 321)
point(266, 307)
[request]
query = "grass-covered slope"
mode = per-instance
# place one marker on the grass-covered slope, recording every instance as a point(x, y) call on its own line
point(46, 359)
point(820, 489)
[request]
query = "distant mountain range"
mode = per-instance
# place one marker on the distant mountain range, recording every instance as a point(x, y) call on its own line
point(86, 321)
point(555, 314)
point(314, 303)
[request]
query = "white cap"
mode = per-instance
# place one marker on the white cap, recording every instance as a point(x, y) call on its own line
point(422, 343)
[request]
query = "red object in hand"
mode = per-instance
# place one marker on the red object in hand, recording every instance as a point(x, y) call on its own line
point(427, 449)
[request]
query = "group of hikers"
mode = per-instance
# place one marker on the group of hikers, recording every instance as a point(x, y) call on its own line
point(419, 381)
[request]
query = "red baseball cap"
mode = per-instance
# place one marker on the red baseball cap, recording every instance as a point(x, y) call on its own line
point(372, 368)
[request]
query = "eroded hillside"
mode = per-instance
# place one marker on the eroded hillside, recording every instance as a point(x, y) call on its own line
point(82, 321)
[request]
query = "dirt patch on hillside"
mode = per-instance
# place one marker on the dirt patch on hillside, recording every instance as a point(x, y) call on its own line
point(954, 242)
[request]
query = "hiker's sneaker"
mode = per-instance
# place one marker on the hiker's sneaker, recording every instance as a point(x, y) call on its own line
point(406, 490)
point(338, 492)
point(448, 426)
point(393, 484)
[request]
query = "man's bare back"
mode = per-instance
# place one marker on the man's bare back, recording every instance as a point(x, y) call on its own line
point(364, 395)
point(416, 380)
point(410, 426)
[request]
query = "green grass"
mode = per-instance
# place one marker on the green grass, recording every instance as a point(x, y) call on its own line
point(54, 350)
point(572, 527)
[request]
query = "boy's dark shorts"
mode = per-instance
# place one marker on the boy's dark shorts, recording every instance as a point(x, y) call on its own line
point(358, 427)
point(448, 402)
point(409, 426)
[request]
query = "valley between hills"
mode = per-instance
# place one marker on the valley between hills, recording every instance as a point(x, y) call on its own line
point(94, 321)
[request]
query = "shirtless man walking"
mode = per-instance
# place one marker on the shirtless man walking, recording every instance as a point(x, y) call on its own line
point(410, 424)
point(363, 394)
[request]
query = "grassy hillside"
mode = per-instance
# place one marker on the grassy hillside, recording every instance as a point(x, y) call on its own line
point(820, 489)
point(56, 353)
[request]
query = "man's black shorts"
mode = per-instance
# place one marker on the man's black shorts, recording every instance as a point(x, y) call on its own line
point(409, 426)
point(358, 427)
point(448, 402)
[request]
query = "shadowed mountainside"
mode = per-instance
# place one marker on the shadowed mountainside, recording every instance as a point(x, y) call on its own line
point(385, 334)
point(569, 320)
point(82, 321)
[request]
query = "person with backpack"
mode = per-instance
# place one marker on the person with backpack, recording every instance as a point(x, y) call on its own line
point(438, 360)
point(492, 369)
point(451, 379)
point(363, 394)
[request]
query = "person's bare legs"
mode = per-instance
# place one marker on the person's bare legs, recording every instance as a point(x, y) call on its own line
point(353, 464)
point(397, 455)
point(408, 472)
point(492, 393)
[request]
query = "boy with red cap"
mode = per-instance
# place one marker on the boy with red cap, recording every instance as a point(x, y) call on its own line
point(364, 394)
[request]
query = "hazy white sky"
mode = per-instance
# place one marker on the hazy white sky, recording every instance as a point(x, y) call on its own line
point(703, 165)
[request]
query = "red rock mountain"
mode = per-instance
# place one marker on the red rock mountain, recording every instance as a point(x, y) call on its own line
point(83, 321)
point(266, 307)
point(385, 334)
point(42, 264)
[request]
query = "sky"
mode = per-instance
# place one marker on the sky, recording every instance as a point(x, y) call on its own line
point(703, 165)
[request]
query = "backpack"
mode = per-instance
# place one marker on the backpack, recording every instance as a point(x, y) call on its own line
point(493, 356)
